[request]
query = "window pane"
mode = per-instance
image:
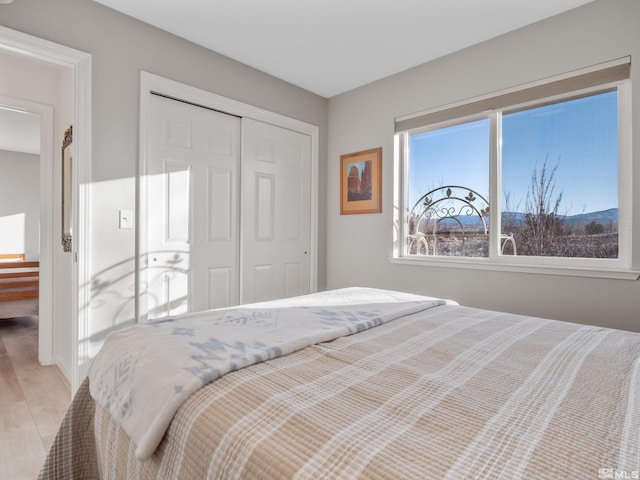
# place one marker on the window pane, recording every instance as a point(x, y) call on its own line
point(560, 179)
point(448, 191)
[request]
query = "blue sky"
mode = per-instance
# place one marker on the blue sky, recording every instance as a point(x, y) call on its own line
point(359, 165)
point(579, 136)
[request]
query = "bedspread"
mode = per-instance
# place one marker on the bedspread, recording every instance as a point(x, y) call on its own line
point(144, 373)
point(450, 392)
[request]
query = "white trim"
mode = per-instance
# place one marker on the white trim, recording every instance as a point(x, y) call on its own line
point(80, 63)
point(82, 215)
point(400, 194)
point(485, 264)
point(495, 171)
point(625, 175)
point(150, 82)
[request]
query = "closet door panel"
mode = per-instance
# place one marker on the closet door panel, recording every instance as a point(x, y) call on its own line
point(191, 250)
point(276, 212)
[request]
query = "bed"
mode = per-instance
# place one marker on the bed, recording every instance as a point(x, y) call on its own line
point(384, 385)
point(19, 286)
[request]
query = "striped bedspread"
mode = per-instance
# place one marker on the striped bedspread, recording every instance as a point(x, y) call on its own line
point(144, 373)
point(450, 392)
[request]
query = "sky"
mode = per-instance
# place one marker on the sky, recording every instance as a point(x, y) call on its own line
point(360, 166)
point(578, 136)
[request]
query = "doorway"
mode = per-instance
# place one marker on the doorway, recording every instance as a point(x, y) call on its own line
point(59, 330)
point(20, 141)
point(26, 232)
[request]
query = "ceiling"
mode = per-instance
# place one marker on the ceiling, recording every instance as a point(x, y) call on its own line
point(332, 46)
point(325, 46)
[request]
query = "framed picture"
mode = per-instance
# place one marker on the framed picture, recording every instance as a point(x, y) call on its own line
point(361, 182)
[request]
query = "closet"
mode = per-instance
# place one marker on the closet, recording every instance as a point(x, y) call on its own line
point(226, 214)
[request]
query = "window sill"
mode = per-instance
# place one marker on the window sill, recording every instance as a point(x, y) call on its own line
point(485, 264)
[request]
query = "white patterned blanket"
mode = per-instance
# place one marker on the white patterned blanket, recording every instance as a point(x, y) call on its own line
point(143, 374)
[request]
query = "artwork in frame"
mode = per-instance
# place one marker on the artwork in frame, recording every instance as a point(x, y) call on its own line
point(361, 182)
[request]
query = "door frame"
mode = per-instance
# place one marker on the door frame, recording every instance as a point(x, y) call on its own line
point(80, 64)
point(150, 82)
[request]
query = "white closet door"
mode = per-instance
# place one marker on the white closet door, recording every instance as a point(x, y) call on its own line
point(191, 186)
point(276, 212)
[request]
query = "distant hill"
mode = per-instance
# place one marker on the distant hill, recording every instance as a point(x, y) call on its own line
point(603, 217)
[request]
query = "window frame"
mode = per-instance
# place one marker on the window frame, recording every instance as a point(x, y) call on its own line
point(620, 268)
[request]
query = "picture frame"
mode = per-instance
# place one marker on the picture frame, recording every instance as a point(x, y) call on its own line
point(361, 182)
point(67, 165)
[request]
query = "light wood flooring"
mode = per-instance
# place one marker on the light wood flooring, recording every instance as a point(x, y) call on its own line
point(33, 400)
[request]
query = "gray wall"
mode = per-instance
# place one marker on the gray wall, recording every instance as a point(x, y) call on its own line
point(359, 246)
point(20, 195)
point(121, 47)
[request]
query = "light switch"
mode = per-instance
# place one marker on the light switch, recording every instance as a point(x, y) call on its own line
point(126, 219)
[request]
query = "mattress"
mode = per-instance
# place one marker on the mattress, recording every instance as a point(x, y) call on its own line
point(445, 392)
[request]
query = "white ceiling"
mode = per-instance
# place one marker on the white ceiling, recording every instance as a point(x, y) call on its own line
point(331, 46)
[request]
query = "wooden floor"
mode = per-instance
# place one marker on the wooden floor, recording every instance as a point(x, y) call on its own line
point(33, 400)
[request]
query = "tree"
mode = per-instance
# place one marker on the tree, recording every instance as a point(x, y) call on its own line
point(542, 222)
point(509, 220)
point(594, 228)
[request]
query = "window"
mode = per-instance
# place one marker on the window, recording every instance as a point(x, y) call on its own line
point(550, 159)
point(559, 178)
point(445, 166)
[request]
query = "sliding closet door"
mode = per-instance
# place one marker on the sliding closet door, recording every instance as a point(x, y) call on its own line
point(191, 189)
point(276, 212)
